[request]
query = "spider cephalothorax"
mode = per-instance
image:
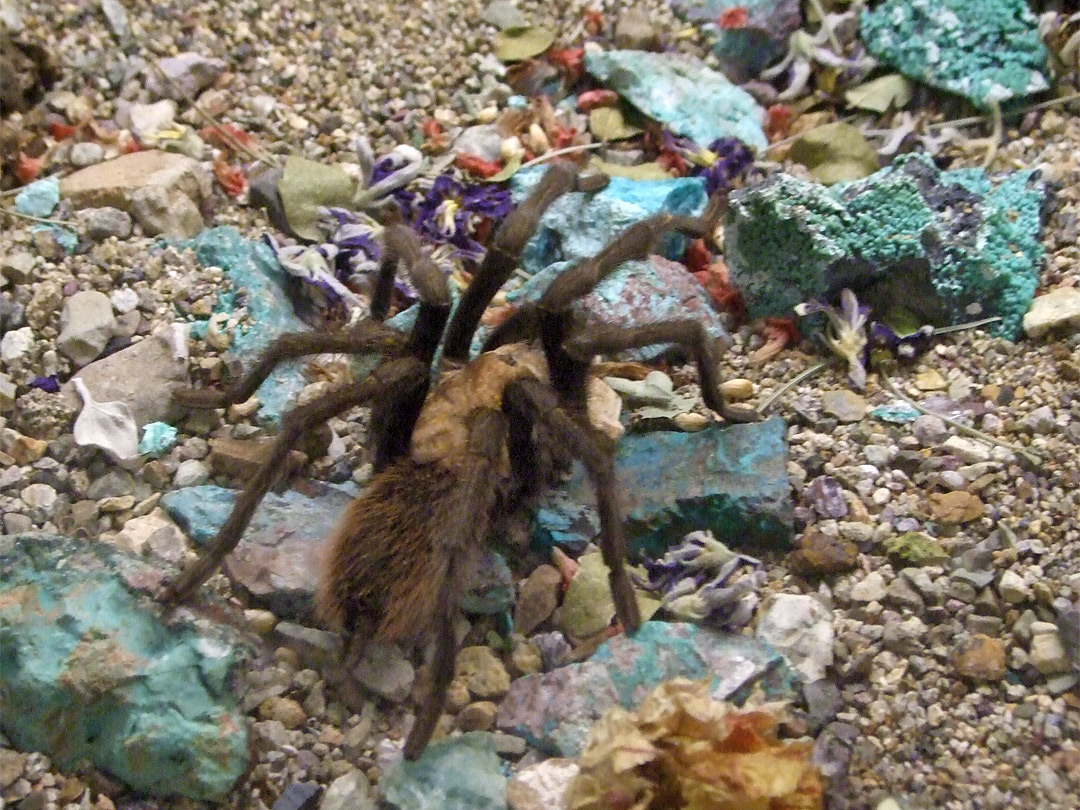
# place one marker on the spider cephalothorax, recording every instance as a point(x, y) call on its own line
point(453, 460)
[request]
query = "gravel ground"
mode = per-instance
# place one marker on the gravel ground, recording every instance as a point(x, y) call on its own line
point(935, 723)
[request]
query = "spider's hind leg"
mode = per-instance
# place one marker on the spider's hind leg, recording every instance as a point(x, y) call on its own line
point(541, 404)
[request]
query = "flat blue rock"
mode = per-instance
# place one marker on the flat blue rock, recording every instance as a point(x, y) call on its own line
point(731, 479)
point(555, 710)
point(277, 559)
point(459, 773)
point(682, 93)
point(88, 671)
point(984, 50)
point(251, 264)
point(39, 198)
point(947, 247)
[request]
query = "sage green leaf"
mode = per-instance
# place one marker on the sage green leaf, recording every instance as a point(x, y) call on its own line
point(835, 153)
point(609, 124)
point(305, 186)
point(507, 171)
point(518, 44)
point(588, 607)
point(892, 91)
point(642, 171)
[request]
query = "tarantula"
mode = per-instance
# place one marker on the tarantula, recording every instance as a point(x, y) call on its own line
point(451, 459)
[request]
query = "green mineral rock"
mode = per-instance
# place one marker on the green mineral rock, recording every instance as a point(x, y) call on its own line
point(89, 670)
point(944, 247)
point(916, 549)
point(984, 50)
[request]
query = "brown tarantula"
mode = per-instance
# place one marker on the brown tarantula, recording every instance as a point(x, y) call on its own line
point(452, 460)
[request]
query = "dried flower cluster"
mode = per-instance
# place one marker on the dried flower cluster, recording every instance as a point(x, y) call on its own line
point(683, 749)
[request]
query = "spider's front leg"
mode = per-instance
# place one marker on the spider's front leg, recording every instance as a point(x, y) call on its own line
point(393, 376)
point(685, 332)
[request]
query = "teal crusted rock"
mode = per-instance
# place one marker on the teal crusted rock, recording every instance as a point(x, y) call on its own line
point(731, 479)
point(251, 264)
point(681, 92)
point(984, 50)
point(947, 247)
point(459, 773)
point(89, 671)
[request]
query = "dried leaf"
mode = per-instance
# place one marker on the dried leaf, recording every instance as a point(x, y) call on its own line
point(892, 91)
point(307, 186)
point(642, 171)
point(507, 171)
point(835, 153)
point(588, 607)
point(518, 44)
point(682, 748)
point(609, 124)
point(108, 425)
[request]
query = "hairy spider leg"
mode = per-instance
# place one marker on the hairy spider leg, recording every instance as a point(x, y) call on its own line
point(394, 375)
point(539, 403)
point(464, 525)
point(505, 250)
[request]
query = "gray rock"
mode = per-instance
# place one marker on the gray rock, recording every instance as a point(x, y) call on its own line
point(485, 141)
point(146, 119)
point(161, 213)
point(384, 670)
point(823, 701)
point(101, 223)
point(191, 473)
point(15, 344)
point(190, 73)
point(801, 628)
point(635, 31)
point(1040, 421)
point(142, 376)
point(86, 153)
point(1057, 311)
point(17, 267)
point(86, 325)
point(845, 405)
point(503, 14)
point(870, 589)
point(929, 430)
point(349, 792)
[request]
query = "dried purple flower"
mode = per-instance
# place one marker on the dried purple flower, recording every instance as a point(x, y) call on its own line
point(703, 580)
point(846, 334)
point(730, 160)
point(450, 212)
point(49, 384)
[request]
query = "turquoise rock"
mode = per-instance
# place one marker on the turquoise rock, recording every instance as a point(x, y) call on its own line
point(158, 438)
point(984, 50)
point(682, 93)
point(89, 671)
point(251, 264)
point(898, 413)
point(40, 198)
point(458, 773)
point(578, 225)
point(947, 247)
point(744, 52)
point(67, 239)
point(731, 479)
point(276, 561)
point(555, 710)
